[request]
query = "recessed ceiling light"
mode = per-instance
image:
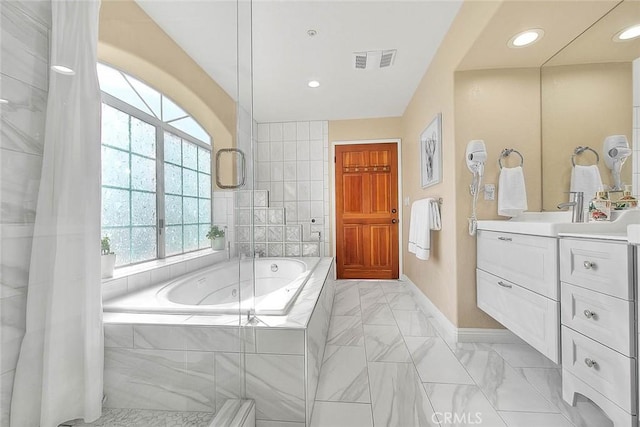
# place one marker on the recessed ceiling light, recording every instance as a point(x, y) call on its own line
point(4, 101)
point(628, 33)
point(63, 70)
point(312, 33)
point(313, 83)
point(525, 38)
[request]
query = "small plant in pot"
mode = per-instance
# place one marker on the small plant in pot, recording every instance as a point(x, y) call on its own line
point(216, 235)
point(108, 258)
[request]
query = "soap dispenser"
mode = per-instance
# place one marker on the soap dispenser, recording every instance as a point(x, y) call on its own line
point(600, 207)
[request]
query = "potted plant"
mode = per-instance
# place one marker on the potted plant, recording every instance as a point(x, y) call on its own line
point(108, 258)
point(216, 235)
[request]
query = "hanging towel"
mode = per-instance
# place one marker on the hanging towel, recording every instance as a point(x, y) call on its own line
point(586, 179)
point(512, 194)
point(425, 216)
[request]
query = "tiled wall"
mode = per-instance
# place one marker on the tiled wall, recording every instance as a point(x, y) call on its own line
point(291, 162)
point(636, 127)
point(24, 82)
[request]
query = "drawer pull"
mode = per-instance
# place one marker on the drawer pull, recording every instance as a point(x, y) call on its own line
point(505, 239)
point(504, 285)
point(591, 363)
point(589, 314)
point(589, 265)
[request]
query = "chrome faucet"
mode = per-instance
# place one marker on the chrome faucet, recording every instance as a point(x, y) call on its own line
point(576, 204)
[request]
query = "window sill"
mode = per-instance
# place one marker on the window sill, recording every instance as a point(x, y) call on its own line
point(155, 264)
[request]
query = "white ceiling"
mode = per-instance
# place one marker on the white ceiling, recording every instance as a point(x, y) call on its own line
point(285, 58)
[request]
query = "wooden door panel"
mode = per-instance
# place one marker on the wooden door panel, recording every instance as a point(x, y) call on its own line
point(380, 191)
point(367, 211)
point(354, 159)
point(353, 189)
point(352, 236)
point(381, 240)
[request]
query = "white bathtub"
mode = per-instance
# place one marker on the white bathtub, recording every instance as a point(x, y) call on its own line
point(216, 289)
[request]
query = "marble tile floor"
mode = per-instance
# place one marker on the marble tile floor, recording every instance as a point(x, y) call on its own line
point(385, 364)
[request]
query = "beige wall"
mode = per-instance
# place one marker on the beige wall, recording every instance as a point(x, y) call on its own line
point(581, 105)
point(502, 107)
point(438, 277)
point(365, 129)
point(131, 41)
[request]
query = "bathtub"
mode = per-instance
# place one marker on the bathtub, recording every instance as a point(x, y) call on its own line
point(216, 289)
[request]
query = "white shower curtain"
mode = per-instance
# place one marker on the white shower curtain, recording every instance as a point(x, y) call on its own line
point(59, 372)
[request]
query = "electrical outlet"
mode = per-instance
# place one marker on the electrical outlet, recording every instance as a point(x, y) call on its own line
point(489, 192)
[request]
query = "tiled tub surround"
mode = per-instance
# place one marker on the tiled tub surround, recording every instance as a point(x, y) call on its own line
point(24, 31)
point(193, 363)
point(268, 229)
point(291, 162)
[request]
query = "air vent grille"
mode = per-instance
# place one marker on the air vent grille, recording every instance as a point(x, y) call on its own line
point(360, 60)
point(374, 59)
point(387, 57)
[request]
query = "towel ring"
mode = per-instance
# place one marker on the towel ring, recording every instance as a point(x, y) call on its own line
point(506, 152)
point(579, 150)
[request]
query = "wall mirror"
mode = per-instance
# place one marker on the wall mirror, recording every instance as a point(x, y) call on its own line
point(587, 95)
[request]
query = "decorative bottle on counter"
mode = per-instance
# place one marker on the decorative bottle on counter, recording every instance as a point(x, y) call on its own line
point(627, 201)
point(600, 207)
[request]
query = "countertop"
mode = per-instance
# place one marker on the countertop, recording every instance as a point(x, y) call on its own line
point(620, 237)
point(633, 233)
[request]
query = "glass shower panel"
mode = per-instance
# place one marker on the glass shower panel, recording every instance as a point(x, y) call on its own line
point(174, 96)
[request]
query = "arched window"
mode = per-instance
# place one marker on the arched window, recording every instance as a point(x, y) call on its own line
point(156, 172)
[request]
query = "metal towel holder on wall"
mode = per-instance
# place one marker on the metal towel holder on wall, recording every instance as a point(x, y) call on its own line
point(506, 152)
point(243, 169)
point(579, 150)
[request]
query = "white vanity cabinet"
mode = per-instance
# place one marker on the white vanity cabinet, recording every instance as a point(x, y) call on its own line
point(517, 284)
point(598, 314)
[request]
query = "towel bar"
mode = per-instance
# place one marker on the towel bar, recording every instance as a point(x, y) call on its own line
point(506, 152)
point(579, 150)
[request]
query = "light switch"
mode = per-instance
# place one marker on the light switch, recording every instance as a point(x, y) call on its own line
point(406, 201)
point(489, 192)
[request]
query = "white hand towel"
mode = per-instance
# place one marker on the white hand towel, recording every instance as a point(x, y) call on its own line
point(586, 179)
point(512, 194)
point(425, 216)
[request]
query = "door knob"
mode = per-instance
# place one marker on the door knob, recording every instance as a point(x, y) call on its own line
point(589, 314)
point(393, 221)
point(394, 210)
point(589, 265)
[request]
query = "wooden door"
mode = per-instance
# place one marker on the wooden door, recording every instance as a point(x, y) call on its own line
point(367, 211)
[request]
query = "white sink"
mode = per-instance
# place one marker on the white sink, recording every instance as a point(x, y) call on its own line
point(554, 223)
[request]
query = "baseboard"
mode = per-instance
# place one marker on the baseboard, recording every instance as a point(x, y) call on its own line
point(452, 333)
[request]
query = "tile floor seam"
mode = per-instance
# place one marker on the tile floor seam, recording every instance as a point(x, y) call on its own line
point(366, 361)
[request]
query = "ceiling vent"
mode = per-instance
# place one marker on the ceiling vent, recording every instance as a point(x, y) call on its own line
point(374, 59)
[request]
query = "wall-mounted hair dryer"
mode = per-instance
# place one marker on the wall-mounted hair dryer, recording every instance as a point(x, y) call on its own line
point(475, 156)
point(616, 151)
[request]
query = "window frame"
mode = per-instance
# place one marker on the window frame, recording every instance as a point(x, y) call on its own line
point(160, 127)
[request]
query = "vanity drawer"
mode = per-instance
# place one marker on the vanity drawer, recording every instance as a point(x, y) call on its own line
point(597, 265)
point(529, 261)
point(604, 369)
point(532, 317)
point(604, 318)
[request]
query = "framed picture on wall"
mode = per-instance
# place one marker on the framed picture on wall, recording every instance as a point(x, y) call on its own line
point(431, 153)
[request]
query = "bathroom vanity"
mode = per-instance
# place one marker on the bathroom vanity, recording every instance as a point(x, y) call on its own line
point(517, 284)
point(569, 290)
